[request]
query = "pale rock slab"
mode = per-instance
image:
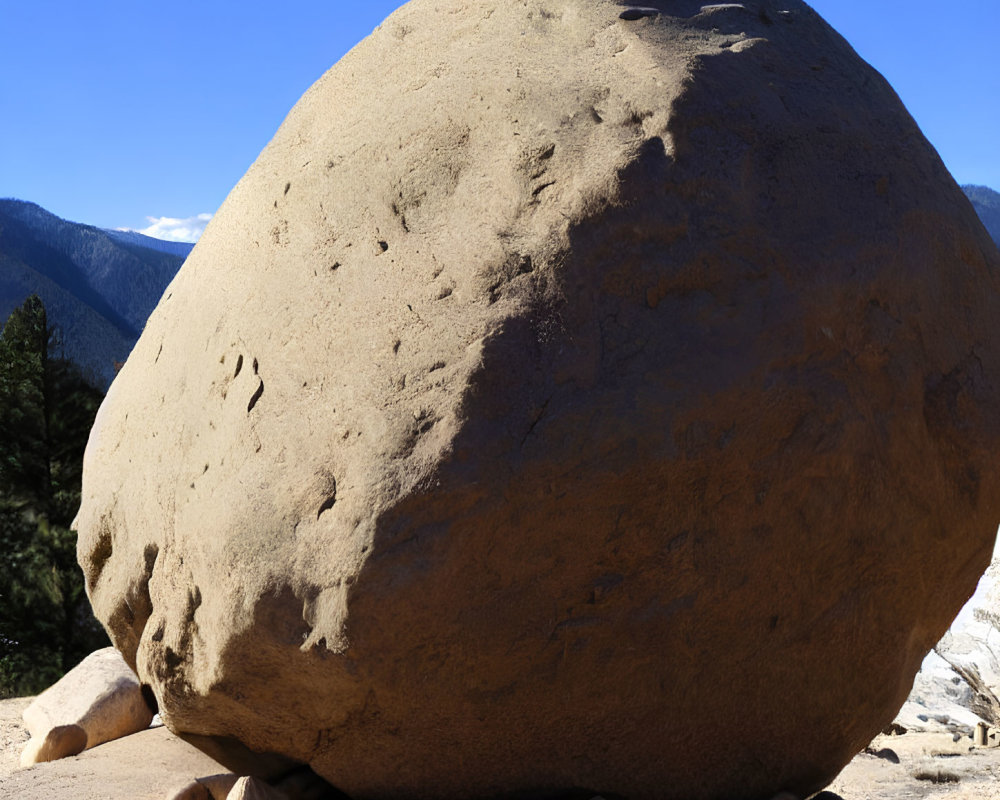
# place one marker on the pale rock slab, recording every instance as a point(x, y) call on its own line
point(100, 699)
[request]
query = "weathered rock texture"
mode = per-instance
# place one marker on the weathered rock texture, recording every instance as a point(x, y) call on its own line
point(98, 700)
point(556, 391)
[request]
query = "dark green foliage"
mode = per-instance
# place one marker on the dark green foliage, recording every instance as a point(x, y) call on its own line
point(23, 356)
point(46, 411)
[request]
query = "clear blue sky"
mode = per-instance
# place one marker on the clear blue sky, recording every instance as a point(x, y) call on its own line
point(115, 111)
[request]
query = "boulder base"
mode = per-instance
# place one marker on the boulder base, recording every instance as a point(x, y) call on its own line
point(561, 388)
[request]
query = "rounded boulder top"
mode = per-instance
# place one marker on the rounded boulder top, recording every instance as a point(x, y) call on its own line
point(573, 395)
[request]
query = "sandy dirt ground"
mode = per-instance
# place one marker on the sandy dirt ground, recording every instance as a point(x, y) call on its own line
point(13, 736)
point(148, 765)
point(930, 765)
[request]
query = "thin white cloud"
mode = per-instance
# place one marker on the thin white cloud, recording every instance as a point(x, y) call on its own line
point(173, 229)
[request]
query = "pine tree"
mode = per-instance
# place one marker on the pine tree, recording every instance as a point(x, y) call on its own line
point(23, 425)
point(46, 411)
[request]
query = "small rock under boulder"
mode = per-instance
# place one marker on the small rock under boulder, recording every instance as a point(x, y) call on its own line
point(209, 787)
point(100, 699)
point(247, 788)
point(558, 389)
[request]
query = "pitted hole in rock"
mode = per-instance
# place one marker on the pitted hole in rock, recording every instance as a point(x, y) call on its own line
point(329, 502)
point(239, 366)
point(636, 118)
point(256, 396)
point(138, 599)
point(678, 9)
point(540, 157)
point(193, 600)
point(538, 189)
point(100, 554)
point(423, 422)
point(171, 659)
point(400, 215)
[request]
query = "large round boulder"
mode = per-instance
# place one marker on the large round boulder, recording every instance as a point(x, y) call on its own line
point(570, 395)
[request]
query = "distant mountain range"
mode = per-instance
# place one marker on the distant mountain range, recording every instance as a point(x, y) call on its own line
point(98, 286)
point(136, 239)
point(987, 205)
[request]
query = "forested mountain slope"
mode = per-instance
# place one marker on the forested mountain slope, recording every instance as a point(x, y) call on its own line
point(98, 286)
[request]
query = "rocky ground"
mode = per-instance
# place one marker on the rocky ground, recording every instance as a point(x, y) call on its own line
point(148, 765)
point(919, 765)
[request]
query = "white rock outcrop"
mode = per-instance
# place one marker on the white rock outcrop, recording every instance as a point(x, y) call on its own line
point(941, 698)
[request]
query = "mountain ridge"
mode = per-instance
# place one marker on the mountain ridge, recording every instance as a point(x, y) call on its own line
point(137, 239)
point(99, 287)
